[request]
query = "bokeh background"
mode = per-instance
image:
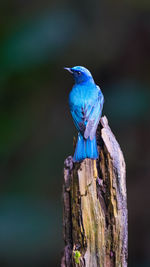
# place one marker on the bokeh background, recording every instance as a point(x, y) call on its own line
point(38, 38)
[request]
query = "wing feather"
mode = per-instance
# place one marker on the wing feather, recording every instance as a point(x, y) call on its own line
point(86, 116)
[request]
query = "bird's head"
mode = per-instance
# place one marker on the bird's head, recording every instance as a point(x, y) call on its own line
point(80, 74)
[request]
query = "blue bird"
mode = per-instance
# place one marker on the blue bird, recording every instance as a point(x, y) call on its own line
point(86, 104)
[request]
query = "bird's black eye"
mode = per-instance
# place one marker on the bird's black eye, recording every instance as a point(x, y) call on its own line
point(79, 72)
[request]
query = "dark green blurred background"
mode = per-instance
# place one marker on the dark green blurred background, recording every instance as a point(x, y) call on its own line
point(38, 38)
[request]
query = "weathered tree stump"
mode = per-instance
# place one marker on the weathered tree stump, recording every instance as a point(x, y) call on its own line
point(95, 206)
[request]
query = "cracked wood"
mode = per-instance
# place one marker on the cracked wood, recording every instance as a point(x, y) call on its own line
point(95, 206)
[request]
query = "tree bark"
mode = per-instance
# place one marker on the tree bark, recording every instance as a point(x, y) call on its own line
point(95, 206)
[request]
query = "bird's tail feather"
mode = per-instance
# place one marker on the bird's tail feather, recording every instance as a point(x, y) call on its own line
point(85, 148)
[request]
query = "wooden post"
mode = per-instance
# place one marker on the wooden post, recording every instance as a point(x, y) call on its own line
point(95, 206)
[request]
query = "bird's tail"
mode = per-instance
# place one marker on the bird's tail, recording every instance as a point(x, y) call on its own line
point(85, 148)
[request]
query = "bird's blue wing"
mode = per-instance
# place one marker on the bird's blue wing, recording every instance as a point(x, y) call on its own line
point(94, 117)
point(86, 117)
point(80, 116)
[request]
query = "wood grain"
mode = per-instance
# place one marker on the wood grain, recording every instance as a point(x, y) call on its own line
point(95, 206)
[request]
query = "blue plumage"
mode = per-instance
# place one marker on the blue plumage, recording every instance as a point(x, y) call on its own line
point(86, 103)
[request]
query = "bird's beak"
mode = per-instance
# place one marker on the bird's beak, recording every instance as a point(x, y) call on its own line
point(69, 69)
